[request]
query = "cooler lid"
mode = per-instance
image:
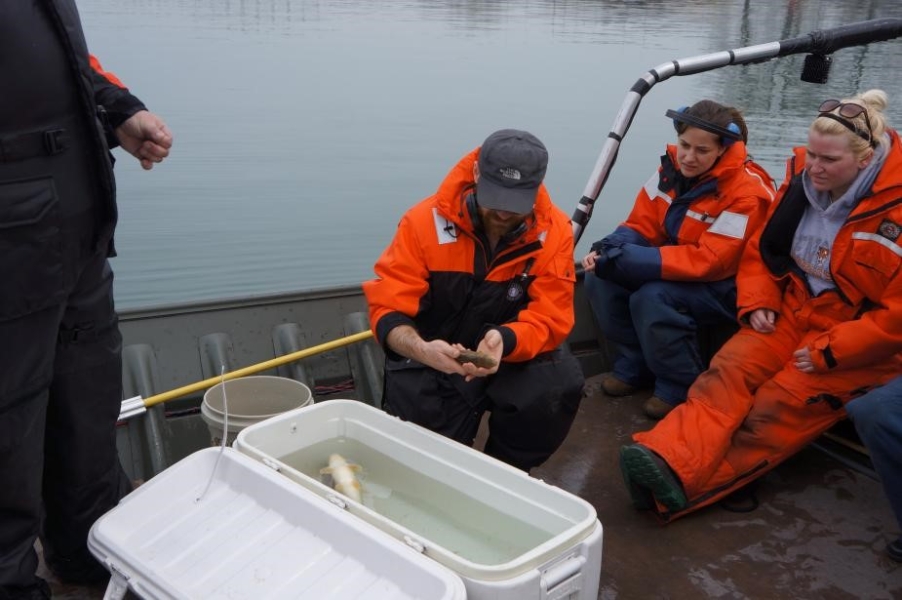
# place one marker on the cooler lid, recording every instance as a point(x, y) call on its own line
point(254, 534)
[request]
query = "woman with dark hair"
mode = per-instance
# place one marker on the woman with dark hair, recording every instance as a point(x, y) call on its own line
point(669, 269)
point(820, 301)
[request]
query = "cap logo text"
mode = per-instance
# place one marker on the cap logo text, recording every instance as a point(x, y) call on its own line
point(510, 173)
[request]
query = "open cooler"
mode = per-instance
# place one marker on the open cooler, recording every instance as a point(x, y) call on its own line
point(505, 534)
point(219, 524)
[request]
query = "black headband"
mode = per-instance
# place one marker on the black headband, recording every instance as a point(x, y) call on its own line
point(702, 124)
point(850, 126)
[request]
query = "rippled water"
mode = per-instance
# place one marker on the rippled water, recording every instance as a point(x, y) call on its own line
point(305, 129)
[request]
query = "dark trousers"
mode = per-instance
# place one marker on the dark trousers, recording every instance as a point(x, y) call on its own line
point(532, 404)
point(656, 328)
point(878, 420)
point(60, 394)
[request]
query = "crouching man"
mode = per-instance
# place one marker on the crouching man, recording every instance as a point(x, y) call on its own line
point(486, 264)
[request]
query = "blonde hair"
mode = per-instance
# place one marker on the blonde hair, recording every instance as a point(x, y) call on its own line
point(874, 103)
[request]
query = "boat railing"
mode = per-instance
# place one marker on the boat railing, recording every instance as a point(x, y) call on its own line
point(818, 45)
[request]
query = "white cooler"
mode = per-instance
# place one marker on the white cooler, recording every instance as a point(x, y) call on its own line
point(507, 535)
point(252, 535)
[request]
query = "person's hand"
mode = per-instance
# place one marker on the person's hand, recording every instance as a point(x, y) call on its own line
point(146, 137)
point(588, 261)
point(762, 320)
point(803, 360)
point(441, 356)
point(492, 345)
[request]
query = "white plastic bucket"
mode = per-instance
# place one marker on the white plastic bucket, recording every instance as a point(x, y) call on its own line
point(250, 400)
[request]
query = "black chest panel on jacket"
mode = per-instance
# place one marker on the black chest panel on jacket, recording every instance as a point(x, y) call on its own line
point(776, 240)
point(48, 123)
point(32, 58)
point(459, 307)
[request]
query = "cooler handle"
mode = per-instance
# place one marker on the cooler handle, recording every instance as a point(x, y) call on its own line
point(562, 580)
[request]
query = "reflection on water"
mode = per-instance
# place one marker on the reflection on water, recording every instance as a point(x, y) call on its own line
point(304, 129)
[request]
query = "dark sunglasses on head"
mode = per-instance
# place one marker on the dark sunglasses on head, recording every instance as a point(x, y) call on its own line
point(847, 110)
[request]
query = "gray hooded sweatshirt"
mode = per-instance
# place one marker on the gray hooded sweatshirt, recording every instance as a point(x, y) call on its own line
point(812, 243)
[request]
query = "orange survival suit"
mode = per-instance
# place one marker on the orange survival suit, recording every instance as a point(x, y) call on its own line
point(440, 276)
point(753, 409)
point(699, 233)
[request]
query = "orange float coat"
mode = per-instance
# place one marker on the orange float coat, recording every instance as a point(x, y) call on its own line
point(752, 408)
point(701, 232)
point(439, 277)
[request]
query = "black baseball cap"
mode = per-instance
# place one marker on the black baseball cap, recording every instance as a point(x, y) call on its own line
point(512, 165)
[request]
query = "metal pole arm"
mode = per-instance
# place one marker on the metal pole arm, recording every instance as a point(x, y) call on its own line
point(819, 42)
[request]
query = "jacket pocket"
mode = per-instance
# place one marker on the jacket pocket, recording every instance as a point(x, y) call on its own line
point(31, 268)
point(876, 262)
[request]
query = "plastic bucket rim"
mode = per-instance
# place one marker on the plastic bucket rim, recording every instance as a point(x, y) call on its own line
point(205, 404)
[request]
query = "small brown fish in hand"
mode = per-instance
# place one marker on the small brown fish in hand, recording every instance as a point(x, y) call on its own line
point(480, 359)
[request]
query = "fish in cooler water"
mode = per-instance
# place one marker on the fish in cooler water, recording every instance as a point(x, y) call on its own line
point(344, 478)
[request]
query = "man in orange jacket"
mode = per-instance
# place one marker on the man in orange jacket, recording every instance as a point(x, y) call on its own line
point(485, 263)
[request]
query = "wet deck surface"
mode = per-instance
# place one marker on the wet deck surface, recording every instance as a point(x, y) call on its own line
point(819, 532)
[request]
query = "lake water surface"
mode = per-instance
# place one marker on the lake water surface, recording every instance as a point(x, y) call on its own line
point(304, 129)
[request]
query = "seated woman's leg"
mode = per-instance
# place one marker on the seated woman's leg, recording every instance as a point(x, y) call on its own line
point(667, 315)
point(694, 438)
point(611, 306)
point(878, 420)
point(788, 412)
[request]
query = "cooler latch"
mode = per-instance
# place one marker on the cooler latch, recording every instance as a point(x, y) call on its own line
point(415, 544)
point(563, 579)
point(337, 501)
point(271, 464)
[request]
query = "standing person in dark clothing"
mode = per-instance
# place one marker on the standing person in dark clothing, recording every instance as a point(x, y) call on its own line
point(60, 356)
point(485, 263)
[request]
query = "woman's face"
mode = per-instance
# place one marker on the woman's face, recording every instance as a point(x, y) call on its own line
point(697, 151)
point(830, 163)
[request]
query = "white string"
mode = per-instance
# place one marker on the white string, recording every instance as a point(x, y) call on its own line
point(225, 432)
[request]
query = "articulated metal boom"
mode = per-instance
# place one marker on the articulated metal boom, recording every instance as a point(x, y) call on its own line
point(818, 44)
